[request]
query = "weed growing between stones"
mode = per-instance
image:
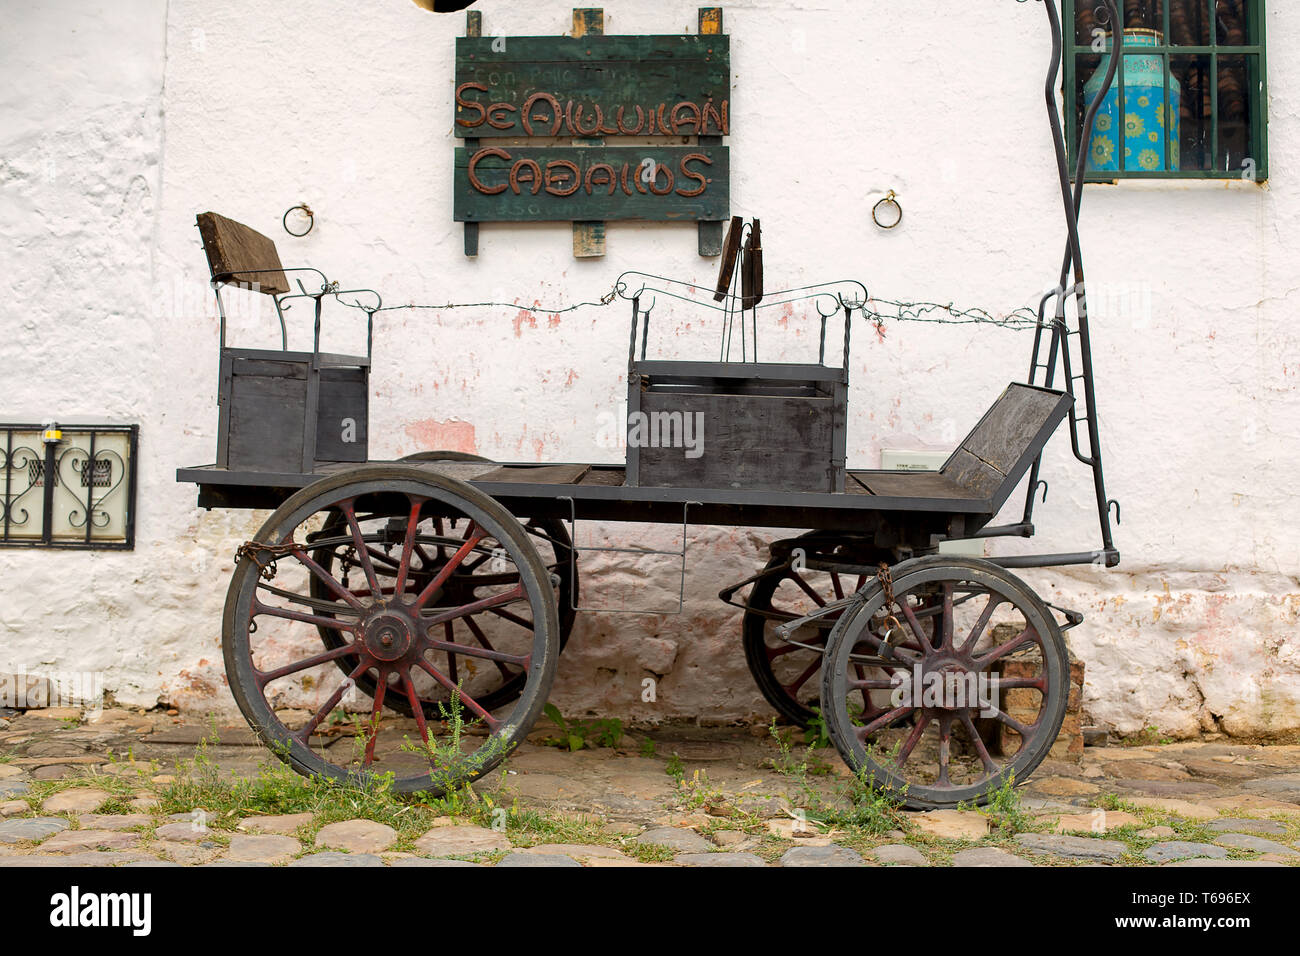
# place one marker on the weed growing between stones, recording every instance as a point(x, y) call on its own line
point(576, 734)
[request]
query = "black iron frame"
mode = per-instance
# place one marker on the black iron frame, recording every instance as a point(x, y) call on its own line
point(48, 462)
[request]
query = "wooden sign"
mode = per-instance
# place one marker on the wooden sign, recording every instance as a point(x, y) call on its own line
point(581, 90)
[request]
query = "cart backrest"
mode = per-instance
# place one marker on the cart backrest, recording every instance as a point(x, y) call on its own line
point(998, 451)
point(242, 255)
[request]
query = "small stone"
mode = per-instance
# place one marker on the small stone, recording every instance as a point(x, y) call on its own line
point(537, 859)
point(425, 861)
point(75, 800)
point(1098, 821)
point(54, 771)
point(9, 772)
point(1157, 833)
point(143, 802)
point(1201, 861)
point(1243, 825)
point(173, 712)
point(622, 829)
point(338, 859)
point(190, 854)
point(952, 824)
point(285, 823)
point(899, 854)
point(1218, 768)
point(987, 856)
point(115, 821)
point(194, 831)
point(578, 851)
point(1246, 841)
point(724, 837)
point(13, 808)
point(74, 841)
point(684, 841)
point(1182, 808)
point(1063, 787)
point(1073, 847)
point(719, 859)
point(461, 841)
point(1254, 803)
point(31, 828)
point(268, 848)
point(13, 788)
point(822, 856)
point(356, 836)
point(1181, 850)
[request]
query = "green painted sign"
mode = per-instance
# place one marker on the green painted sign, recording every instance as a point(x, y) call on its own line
point(593, 86)
point(583, 91)
point(563, 183)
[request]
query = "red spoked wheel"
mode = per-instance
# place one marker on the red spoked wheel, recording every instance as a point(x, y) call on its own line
point(292, 693)
point(803, 574)
point(493, 684)
point(960, 625)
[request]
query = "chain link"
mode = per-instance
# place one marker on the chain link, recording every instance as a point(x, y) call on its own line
point(893, 627)
point(253, 549)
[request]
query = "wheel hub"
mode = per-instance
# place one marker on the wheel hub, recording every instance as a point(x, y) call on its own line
point(388, 634)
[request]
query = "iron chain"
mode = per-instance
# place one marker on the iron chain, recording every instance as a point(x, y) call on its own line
point(252, 549)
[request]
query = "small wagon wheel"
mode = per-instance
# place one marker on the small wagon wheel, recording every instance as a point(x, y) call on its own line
point(290, 691)
point(496, 685)
point(789, 676)
point(957, 624)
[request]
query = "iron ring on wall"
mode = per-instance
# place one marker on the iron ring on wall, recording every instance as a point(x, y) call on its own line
point(311, 219)
point(890, 199)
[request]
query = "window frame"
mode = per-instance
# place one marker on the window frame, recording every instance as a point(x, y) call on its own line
point(1258, 103)
point(85, 541)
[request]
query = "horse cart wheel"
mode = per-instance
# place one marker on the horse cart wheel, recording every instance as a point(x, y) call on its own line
point(290, 691)
point(918, 714)
point(787, 674)
point(497, 686)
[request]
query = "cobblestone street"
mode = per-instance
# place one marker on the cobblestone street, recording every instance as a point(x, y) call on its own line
point(147, 789)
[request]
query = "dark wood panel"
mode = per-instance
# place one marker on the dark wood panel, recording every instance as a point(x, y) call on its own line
point(266, 423)
point(244, 253)
point(542, 474)
point(745, 441)
point(978, 477)
point(1011, 426)
point(574, 183)
point(913, 484)
point(344, 396)
point(553, 76)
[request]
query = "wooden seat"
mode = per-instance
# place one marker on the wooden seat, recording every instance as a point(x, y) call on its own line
point(992, 459)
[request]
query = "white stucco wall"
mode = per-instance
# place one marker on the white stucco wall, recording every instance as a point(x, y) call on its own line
point(118, 122)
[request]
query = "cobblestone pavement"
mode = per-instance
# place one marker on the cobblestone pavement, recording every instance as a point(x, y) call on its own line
point(126, 789)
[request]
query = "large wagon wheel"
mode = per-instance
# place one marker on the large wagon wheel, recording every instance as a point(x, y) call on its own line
point(927, 745)
point(290, 691)
point(787, 674)
point(497, 685)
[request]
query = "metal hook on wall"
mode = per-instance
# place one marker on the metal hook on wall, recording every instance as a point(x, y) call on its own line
point(306, 211)
point(891, 199)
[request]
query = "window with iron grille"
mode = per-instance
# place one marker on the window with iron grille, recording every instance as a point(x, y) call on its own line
point(69, 486)
point(1191, 101)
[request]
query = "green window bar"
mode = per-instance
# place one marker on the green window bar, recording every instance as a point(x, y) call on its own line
point(1212, 51)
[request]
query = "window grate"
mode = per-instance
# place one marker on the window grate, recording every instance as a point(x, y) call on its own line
point(1190, 102)
point(74, 492)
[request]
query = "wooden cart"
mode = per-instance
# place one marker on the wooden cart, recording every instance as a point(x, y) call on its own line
point(432, 596)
